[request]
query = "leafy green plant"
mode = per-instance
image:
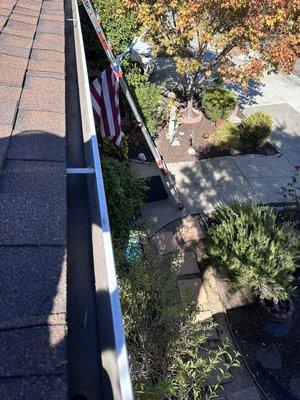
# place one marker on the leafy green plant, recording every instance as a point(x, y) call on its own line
point(227, 135)
point(124, 193)
point(120, 25)
point(253, 251)
point(168, 349)
point(255, 129)
point(149, 98)
point(218, 103)
point(291, 190)
point(108, 148)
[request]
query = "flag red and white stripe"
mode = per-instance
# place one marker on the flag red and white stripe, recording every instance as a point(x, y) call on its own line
point(105, 101)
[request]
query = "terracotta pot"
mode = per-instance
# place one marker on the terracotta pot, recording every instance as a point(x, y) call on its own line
point(219, 123)
point(280, 314)
point(196, 118)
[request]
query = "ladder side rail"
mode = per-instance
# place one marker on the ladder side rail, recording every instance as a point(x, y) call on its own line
point(164, 173)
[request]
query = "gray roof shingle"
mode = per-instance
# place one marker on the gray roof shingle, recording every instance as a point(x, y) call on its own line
point(11, 76)
point(15, 41)
point(47, 387)
point(23, 29)
point(33, 357)
point(25, 10)
point(5, 132)
point(8, 110)
point(48, 84)
point(40, 100)
point(33, 203)
point(33, 283)
point(36, 120)
point(36, 350)
point(47, 66)
point(15, 51)
point(27, 19)
point(54, 27)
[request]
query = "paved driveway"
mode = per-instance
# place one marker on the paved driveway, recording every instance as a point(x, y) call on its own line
point(280, 97)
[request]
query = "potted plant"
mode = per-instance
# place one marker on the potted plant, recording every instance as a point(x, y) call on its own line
point(255, 254)
point(277, 310)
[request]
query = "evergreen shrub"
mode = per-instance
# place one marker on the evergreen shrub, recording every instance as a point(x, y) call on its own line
point(255, 130)
point(253, 251)
point(218, 103)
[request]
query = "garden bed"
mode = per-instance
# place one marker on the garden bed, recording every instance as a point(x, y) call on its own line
point(204, 134)
point(274, 359)
point(271, 349)
point(203, 144)
point(137, 144)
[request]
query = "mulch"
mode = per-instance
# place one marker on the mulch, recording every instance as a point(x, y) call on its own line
point(137, 145)
point(251, 331)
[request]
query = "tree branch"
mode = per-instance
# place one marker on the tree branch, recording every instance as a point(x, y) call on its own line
point(225, 51)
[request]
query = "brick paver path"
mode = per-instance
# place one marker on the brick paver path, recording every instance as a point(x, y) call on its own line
point(202, 288)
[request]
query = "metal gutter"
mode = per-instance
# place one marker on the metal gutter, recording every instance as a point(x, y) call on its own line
point(114, 357)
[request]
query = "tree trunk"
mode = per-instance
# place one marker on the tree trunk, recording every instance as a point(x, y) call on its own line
point(189, 106)
point(191, 79)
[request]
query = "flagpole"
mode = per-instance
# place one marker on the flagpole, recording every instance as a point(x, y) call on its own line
point(165, 174)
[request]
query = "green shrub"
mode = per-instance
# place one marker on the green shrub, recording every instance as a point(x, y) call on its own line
point(227, 135)
point(149, 98)
point(255, 129)
point(253, 251)
point(108, 148)
point(120, 25)
point(165, 342)
point(218, 103)
point(124, 193)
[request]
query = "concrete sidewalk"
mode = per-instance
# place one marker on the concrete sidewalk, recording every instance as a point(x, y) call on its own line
point(252, 179)
point(206, 184)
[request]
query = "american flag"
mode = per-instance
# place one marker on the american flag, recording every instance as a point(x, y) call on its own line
point(105, 101)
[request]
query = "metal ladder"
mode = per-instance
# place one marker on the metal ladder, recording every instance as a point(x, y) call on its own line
point(164, 173)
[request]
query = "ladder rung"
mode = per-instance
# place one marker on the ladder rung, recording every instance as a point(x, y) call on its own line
point(72, 171)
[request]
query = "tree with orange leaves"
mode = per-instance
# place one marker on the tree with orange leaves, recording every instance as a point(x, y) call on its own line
point(245, 38)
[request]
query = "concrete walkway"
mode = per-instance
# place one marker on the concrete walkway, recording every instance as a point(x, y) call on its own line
point(253, 179)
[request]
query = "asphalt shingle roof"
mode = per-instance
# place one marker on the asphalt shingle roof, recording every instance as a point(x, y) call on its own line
point(33, 357)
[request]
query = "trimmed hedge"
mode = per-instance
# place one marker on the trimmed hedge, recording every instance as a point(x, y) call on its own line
point(218, 103)
point(228, 135)
point(255, 130)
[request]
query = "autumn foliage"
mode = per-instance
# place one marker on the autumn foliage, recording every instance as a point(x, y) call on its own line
point(244, 38)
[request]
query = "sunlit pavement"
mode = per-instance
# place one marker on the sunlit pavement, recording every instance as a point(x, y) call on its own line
point(252, 179)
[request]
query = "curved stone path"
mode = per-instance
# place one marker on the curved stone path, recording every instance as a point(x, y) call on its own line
point(184, 235)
